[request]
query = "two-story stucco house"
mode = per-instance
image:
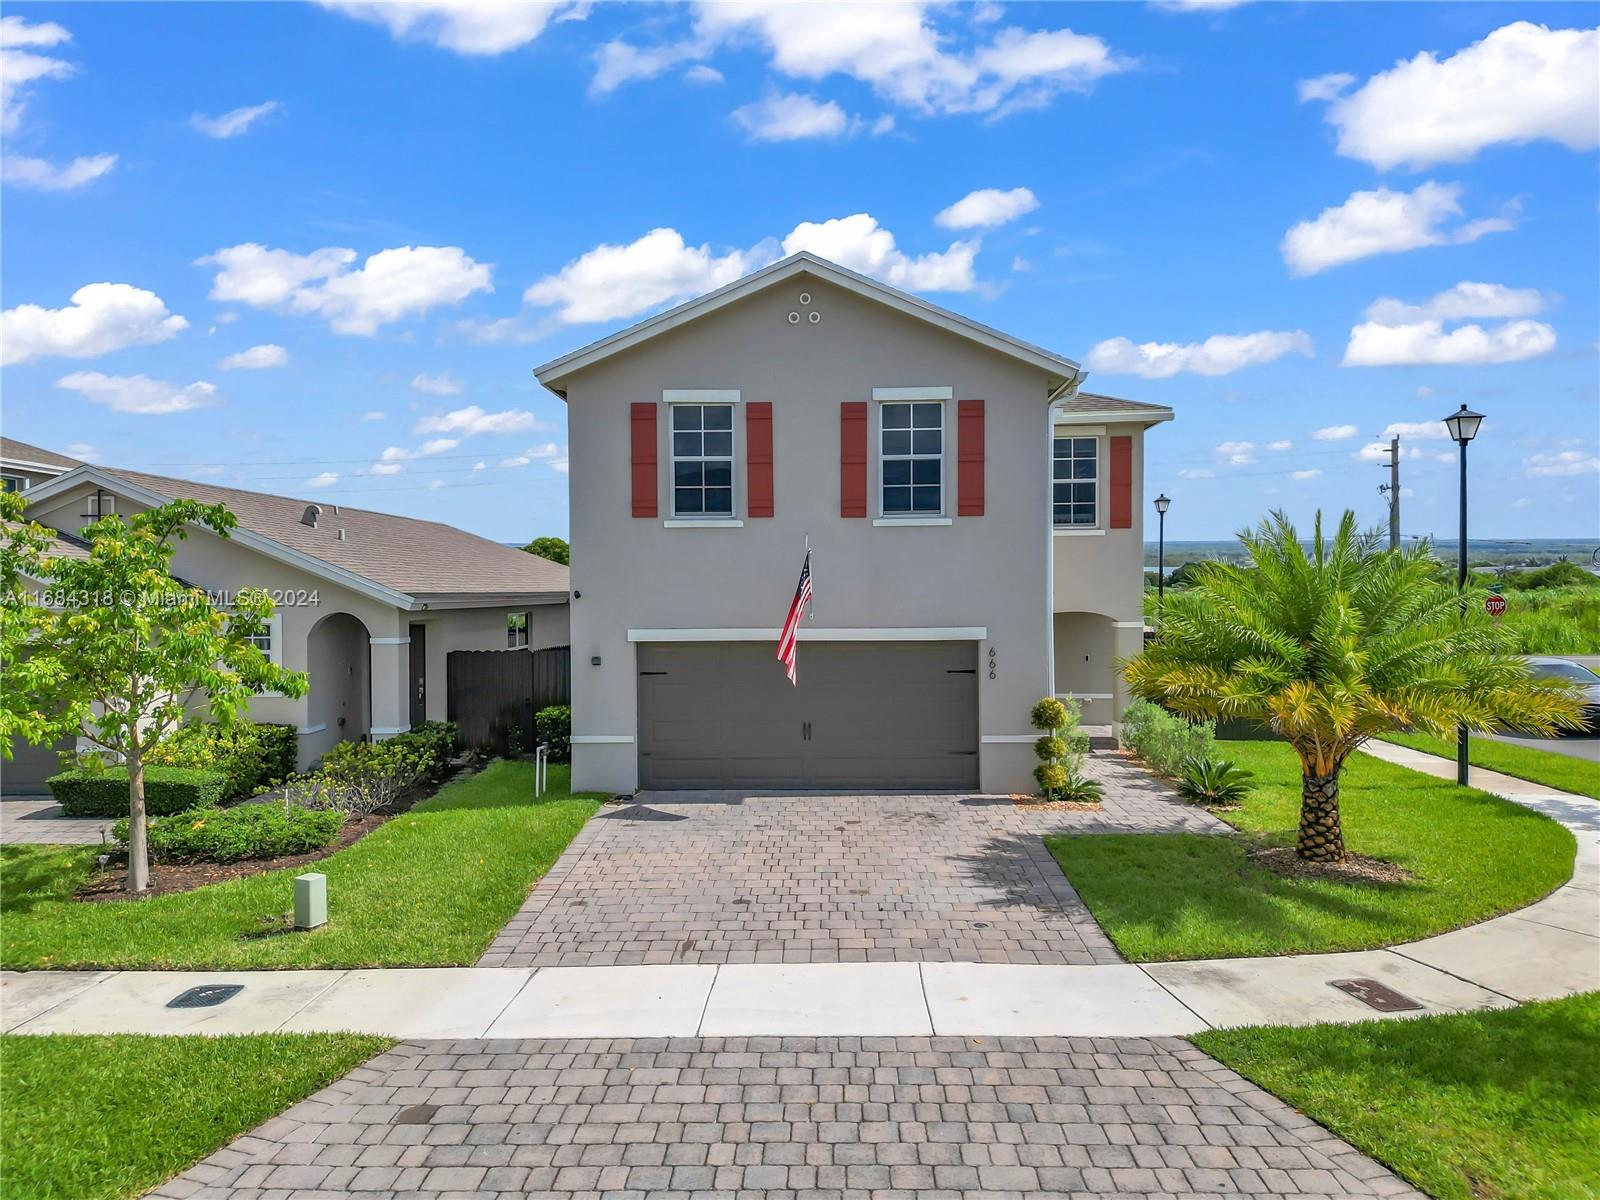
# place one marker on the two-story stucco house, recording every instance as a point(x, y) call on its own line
point(927, 459)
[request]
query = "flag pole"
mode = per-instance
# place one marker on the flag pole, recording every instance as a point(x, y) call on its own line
point(811, 609)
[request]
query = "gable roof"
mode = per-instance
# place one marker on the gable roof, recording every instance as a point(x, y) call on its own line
point(1088, 406)
point(1059, 369)
point(24, 454)
point(404, 561)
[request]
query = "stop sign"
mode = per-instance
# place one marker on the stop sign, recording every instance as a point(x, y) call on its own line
point(1494, 605)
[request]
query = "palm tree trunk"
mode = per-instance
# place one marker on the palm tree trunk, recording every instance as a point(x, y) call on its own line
point(1321, 837)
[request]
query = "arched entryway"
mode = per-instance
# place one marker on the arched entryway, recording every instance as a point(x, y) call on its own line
point(339, 662)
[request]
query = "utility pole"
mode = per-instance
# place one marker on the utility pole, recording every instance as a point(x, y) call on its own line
point(1393, 490)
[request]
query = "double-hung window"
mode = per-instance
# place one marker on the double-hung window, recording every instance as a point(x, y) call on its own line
point(702, 460)
point(912, 458)
point(1077, 470)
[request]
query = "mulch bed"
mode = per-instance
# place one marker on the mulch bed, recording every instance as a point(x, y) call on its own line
point(167, 878)
point(1034, 804)
point(1356, 868)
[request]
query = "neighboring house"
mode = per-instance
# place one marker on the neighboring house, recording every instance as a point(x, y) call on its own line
point(916, 450)
point(22, 465)
point(369, 604)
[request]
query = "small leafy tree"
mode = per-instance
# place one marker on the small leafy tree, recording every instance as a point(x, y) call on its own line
point(1331, 646)
point(553, 548)
point(121, 652)
point(1060, 751)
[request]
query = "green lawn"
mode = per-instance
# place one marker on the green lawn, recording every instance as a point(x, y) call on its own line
point(1181, 896)
point(95, 1118)
point(1480, 1106)
point(1541, 766)
point(429, 888)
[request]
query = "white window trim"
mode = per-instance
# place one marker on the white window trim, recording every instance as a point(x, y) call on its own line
point(527, 629)
point(914, 518)
point(1101, 465)
point(274, 650)
point(702, 396)
point(891, 395)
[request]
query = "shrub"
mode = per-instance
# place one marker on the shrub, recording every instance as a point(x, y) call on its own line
point(1051, 778)
point(1164, 741)
point(356, 796)
point(1080, 789)
point(1213, 781)
point(437, 740)
point(554, 725)
point(251, 756)
point(1061, 751)
point(166, 790)
point(224, 835)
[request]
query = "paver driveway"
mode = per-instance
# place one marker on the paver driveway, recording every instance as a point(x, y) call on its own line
point(788, 1118)
point(727, 877)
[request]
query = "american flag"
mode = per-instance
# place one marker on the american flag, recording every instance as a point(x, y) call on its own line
point(791, 624)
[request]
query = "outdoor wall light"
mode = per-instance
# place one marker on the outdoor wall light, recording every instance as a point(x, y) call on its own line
point(594, 660)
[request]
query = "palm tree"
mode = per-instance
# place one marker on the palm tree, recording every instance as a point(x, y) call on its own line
point(1331, 646)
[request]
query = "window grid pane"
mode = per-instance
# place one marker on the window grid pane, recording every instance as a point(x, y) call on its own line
point(702, 460)
point(912, 458)
point(1075, 470)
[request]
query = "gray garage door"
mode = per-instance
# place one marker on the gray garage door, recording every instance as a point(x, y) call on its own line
point(866, 715)
point(30, 766)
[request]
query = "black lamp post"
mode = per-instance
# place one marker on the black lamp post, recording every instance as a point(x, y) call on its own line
point(1162, 504)
point(1463, 426)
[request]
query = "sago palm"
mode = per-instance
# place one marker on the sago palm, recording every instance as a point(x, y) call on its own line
point(1331, 645)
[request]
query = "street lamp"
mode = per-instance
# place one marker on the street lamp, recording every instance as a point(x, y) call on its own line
point(1162, 504)
point(1463, 427)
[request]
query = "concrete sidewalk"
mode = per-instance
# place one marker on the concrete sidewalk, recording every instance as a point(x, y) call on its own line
point(1544, 951)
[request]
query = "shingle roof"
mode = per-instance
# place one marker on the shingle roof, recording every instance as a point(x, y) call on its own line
point(1092, 402)
point(420, 558)
point(10, 448)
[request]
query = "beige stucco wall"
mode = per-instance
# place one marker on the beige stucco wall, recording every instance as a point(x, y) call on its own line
point(227, 565)
point(988, 571)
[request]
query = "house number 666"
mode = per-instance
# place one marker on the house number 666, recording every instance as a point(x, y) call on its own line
point(991, 662)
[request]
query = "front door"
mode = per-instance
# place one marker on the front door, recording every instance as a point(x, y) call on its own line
point(419, 674)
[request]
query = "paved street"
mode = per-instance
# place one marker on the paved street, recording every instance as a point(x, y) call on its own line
point(733, 878)
point(1585, 746)
point(788, 1117)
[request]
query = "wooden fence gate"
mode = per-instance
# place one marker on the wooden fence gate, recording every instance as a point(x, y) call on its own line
point(493, 693)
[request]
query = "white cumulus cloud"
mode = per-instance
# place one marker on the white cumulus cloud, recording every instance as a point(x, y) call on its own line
point(478, 27)
point(1236, 454)
point(791, 117)
point(986, 208)
point(1196, 473)
point(21, 66)
point(1309, 473)
point(325, 479)
point(436, 385)
point(1383, 221)
point(473, 420)
point(257, 358)
point(1465, 300)
point(1324, 87)
point(1335, 433)
point(44, 176)
point(1521, 83)
point(138, 393)
point(232, 124)
point(1407, 430)
point(1399, 334)
point(389, 286)
point(1220, 354)
point(1567, 462)
point(101, 317)
point(1280, 446)
point(861, 244)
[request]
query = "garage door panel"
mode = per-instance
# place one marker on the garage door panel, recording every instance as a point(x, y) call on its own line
point(880, 715)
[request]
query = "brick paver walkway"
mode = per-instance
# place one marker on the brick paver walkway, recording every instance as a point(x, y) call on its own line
point(43, 821)
point(800, 1119)
point(728, 878)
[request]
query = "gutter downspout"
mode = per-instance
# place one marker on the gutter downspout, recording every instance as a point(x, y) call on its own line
point(1067, 390)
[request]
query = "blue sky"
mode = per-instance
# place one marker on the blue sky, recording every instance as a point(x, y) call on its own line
point(1283, 220)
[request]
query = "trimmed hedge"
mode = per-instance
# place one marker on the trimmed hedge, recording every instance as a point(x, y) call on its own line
point(224, 835)
point(554, 725)
point(252, 756)
point(420, 753)
point(166, 790)
point(1163, 740)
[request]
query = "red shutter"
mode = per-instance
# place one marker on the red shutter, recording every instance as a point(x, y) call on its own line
point(853, 459)
point(645, 481)
point(758, 457)
point(1122, 483)
point(969, 449)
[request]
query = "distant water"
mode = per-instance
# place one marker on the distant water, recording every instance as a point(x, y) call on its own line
point(1511, 550)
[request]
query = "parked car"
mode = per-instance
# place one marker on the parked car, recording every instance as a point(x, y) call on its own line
point(1586, 681)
